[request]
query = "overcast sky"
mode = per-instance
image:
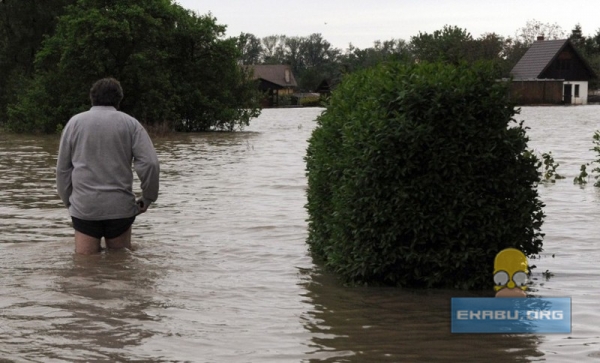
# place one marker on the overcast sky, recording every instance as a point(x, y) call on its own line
point(361, 22)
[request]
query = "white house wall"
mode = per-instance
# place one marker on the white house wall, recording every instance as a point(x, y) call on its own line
point(583, 92)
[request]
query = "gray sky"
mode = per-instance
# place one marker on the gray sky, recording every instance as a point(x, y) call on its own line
point(362, 22)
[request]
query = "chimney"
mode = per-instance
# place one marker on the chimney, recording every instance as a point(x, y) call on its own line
point(540, 38)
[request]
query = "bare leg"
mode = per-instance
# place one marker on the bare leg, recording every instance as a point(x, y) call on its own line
point(118, 243)
point(86, 245)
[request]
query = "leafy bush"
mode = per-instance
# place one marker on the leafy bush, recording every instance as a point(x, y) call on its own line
point(310, 101)
point(596, 148)
point(549, 173)
point(285, 100)
point(418, 175)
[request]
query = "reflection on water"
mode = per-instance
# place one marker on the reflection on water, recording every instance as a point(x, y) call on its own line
point(396, 325)
point(59, 305)
point(221, 271)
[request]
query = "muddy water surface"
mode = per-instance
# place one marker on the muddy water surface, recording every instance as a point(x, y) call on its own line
point(221, 271)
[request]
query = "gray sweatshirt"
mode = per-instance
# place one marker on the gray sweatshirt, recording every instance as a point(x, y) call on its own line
point(93, 173)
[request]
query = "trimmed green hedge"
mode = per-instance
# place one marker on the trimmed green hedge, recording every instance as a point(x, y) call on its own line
point(418, 175)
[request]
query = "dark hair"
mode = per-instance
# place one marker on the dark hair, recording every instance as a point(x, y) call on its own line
point(106, 92)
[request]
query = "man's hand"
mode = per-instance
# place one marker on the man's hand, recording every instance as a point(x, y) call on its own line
point(143, 207)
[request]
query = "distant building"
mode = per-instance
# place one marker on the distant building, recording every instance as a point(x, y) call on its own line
point(551, 72)
point(274, 80)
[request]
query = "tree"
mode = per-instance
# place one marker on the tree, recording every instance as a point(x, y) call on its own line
point(451, 45)
point(319, 61)
point(23, 26)
point(577, 38)
point(534, 28)
point(355, 59)
point(591, 51)
point(173, 65)
point(273, 49)
point(317, 51)
point(490, 47)
point(592, 44)
point(250, 48)
point(293, 47)
point(513, 51)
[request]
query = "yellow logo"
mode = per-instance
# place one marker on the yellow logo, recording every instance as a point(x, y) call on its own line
point(510, 273)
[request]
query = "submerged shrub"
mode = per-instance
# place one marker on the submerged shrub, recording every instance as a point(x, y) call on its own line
point(311, 101)
point(418, 175)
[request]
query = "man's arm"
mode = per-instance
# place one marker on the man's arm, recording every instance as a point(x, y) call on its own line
point(145, 163)
point(64, 168)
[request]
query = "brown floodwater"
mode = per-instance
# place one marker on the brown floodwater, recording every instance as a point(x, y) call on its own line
point(221, 271)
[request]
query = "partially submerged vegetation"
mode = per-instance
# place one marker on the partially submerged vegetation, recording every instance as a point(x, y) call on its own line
point(418, 175)
point(175, 67)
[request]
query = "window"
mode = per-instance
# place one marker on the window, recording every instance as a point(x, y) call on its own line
point(576, 93)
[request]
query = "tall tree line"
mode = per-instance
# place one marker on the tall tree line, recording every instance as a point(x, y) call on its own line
point(178, 67)
point(314, 59)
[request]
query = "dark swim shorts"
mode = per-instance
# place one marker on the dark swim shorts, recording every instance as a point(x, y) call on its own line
point(109, 228)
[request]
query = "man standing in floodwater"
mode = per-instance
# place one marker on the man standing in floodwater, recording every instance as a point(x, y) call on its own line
point(93, 174)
